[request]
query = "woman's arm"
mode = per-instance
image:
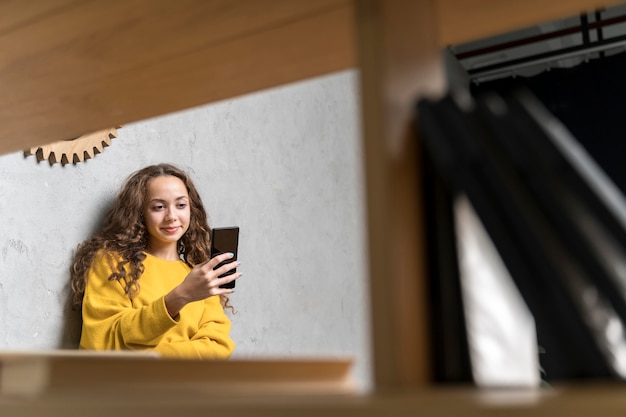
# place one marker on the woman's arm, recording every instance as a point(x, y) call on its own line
point(201, 283)
point(210, 341)
point(109, 320)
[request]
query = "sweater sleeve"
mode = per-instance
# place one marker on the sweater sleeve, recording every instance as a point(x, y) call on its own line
point(109, 320)
point(211, 341)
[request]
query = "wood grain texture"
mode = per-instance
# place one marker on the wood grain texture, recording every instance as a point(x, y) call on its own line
point(399, 61)
point(463, 21)
point(598, 400)
point(16, 15)
point(113, 373)
point(88, 65)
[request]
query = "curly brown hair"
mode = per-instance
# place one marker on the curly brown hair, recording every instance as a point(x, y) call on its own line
point(124, 233)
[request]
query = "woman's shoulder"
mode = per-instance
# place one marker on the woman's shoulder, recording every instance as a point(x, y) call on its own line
point(107, 256)
point(102, 266)
point(106, 261)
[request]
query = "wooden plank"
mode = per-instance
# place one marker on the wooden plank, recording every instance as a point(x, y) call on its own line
point(602, 400)
point(463, 21)
point(93, 65)
point(15, 14)
point(31, 374)
point(399, 61)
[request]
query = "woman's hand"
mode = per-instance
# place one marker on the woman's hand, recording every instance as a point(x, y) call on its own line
point(202, 282)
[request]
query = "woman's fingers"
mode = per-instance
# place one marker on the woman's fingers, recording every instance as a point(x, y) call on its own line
point(226, 273)
point(216, 260)
point(228, 278)
point(227, 267)
point(217, 266)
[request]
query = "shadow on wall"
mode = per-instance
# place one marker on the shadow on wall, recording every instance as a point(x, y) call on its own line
point(72, 316)
point(72, 322)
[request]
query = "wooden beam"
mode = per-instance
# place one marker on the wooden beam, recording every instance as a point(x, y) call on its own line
point(29, 374)
point(83, 66)
point(399, 61)
point(463, 21)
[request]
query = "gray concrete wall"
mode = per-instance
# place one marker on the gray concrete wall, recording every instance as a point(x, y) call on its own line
point(284, 164)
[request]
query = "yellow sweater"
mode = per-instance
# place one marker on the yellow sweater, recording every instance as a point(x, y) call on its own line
point(111, 321)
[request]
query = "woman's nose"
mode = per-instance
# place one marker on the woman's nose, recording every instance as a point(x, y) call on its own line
point(169, 215)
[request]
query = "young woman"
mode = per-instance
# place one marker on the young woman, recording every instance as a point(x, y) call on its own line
point(145, 280)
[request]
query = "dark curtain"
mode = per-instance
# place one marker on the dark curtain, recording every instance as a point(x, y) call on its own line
point(590, 99)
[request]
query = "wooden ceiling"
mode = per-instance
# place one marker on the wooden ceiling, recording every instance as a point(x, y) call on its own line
point(72, 67)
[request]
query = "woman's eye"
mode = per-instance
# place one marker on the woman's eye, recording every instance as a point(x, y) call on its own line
point(182, 205)
point(159, 207)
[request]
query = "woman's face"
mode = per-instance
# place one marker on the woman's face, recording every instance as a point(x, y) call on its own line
point(166, 213)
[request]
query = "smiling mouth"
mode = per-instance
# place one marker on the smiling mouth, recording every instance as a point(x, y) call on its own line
point(170, 229)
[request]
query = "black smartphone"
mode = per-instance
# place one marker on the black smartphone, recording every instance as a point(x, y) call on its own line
point(223, 240)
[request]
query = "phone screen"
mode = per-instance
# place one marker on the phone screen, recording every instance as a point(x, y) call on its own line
point(223, 240)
